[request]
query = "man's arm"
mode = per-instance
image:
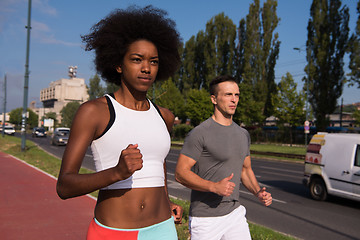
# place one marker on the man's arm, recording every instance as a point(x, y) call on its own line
point(188, 178)
point(249, 180)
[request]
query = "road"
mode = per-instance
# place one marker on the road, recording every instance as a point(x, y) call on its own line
point(293, 212)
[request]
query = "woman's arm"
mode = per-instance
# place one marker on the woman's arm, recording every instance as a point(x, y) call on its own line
point(176, 210)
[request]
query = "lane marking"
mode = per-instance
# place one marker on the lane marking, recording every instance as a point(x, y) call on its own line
point(279, 169)
point(287, 175)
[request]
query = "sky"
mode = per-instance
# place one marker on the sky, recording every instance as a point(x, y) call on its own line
point(56, 26)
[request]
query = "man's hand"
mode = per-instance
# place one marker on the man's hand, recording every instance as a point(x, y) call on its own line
point(176, 212)
point(264, 197)
point(224, 187)
point(130, 161)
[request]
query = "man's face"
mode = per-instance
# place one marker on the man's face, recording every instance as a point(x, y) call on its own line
point(226, 98)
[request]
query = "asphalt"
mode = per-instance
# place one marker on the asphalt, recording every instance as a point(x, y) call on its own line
point(30, 208)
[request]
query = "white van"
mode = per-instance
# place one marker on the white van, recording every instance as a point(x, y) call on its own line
point(332, 165)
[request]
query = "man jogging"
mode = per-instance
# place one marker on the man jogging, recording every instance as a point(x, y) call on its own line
point(213, 160)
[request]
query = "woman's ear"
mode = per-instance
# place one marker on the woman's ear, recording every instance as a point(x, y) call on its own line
point(118, 69)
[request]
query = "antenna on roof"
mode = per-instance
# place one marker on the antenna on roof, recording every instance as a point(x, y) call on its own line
point(72, 71)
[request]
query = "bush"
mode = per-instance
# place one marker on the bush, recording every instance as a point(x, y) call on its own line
point(180, 131)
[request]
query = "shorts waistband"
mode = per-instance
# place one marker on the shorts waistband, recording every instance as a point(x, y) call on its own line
point(171, 219)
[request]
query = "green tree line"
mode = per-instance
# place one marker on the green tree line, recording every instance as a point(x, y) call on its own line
point(249, 52)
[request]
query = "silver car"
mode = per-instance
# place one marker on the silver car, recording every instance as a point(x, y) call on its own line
point(60, 136)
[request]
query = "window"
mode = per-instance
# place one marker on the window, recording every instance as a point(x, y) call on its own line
point(357, 156)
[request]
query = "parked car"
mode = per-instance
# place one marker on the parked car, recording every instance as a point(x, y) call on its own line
point(38, 132)
point(9, 130)
point(332, 166)
point(60, 136)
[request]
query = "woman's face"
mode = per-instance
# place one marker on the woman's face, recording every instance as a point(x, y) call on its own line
point(140, 65)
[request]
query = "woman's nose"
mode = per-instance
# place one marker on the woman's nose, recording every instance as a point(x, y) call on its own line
point(145, 67)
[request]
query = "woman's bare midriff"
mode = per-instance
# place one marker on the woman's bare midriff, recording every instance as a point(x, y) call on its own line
point(132, 208)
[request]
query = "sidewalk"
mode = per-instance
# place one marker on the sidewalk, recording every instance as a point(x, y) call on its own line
point(30, 208)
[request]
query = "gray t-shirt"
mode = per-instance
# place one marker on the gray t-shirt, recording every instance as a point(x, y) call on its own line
point(218, 151)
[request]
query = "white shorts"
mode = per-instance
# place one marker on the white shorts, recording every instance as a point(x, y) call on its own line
point(232, 226)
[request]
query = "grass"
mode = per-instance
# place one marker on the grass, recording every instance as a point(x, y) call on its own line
point(268, 147)
point(50, 164)
point(278, 148)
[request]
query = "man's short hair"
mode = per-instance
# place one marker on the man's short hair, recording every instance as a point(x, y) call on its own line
point(217, 80)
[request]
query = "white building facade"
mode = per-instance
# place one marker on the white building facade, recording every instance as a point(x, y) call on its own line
point(58, 94)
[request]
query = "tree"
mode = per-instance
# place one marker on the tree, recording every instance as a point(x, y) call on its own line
point(171, 98)
point(219, 48)
point(198, 106)
point(95, 89)
point(248, 111)
point(356, 115)
point(111, 87)
point(326, 45)
point(33, 120)
point(257, 52)
point(354, 49)
point(188, 79)
point(16, 117)
point(209, 54)
point(68, 113)
point(288, 103)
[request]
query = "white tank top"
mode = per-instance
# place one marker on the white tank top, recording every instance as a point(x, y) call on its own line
point(145, 128)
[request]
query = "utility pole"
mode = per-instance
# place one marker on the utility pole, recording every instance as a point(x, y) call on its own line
point(341, 111)
point(306, 124)
point(4, 118)
point(26, 81)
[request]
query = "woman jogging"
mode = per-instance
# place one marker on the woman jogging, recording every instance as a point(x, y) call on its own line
point(128, 134)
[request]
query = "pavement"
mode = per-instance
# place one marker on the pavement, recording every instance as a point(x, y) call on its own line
point(30, 208)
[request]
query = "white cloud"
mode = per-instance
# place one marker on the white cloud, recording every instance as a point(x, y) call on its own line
point(43, 34)
point(52, 40)
point(44, 7)
point(39, 27)
point(11, 10)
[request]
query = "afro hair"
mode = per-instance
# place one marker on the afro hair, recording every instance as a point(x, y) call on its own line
point(111, 37)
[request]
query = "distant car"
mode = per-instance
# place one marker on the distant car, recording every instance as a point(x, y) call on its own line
point(9, 130)
point(38, 132)
point(60, 136)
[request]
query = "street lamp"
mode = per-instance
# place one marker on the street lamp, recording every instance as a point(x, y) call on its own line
point(306, 124)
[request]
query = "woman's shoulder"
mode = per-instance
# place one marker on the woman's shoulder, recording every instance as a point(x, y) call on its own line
point(168, 117)
point(93, 107)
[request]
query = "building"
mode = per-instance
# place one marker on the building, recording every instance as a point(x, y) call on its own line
point(59, 93)
point(341, 120)
point(7, 118)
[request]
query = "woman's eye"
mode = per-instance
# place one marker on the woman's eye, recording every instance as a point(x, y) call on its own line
point(154, 62)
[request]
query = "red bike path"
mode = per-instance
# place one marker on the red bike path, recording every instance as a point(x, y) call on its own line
point(30, 208)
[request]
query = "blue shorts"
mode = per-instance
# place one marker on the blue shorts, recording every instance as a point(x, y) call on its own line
point(161, 231)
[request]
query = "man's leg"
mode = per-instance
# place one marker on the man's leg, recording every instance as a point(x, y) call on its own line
point(239, 228)
point(206, 228)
